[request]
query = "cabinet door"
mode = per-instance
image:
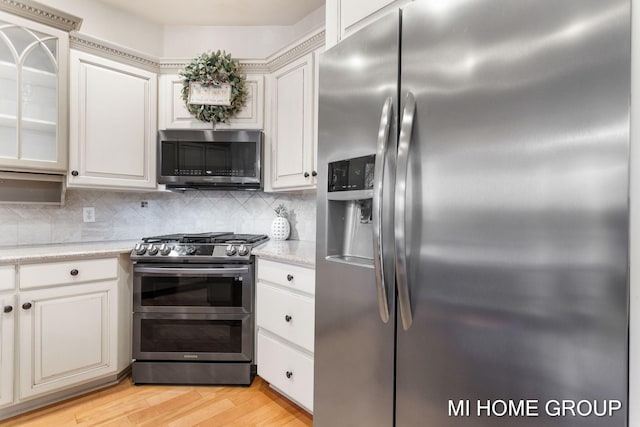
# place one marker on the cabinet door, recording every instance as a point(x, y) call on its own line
point(292, 125)
point(174, 115)
point(7, 348)
point(113, 124)
point(286, 368)
point(67, 336)
point(345, 17)
point(33, 96)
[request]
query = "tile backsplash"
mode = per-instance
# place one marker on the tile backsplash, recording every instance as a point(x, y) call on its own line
point(126, 215)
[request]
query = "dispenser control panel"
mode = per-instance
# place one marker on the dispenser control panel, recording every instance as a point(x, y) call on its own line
point(352, 174)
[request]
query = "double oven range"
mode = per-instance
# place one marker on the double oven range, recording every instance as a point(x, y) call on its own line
point(193, 309)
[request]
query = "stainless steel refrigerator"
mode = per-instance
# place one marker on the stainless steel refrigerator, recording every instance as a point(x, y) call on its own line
point(472, 236)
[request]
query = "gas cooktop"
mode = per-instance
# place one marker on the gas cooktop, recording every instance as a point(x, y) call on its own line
point(200, 247)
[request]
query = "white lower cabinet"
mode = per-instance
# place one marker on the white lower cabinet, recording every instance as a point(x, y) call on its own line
point(67, 336)
point(285, 319)
point(287, 369)
point(66, 329)
point(7, 348)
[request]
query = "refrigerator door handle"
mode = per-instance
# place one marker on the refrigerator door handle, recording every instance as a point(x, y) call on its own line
point(378, 179)
point(404, 141)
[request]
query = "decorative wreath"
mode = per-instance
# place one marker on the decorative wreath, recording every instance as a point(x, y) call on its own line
point(214, 69)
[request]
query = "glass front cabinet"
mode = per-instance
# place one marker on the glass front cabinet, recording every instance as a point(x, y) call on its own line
point(33, 96)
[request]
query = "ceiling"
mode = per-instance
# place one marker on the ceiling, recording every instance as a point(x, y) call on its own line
point(219, 12)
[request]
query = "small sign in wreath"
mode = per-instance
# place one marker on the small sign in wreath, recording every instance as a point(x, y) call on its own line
point(212, 88)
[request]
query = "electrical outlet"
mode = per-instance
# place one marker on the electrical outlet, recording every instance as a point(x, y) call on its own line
point(89, 214)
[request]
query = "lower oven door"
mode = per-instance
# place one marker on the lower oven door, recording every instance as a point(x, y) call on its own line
point(192, 337)
point(193, 288)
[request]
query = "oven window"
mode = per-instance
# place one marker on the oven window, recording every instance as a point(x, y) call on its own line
point(191, 291)
point(191, 336)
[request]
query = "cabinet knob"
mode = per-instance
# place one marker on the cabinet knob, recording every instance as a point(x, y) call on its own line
point(287, 318)
point(306, 174)
point(75, 173)
point(8, 309)
point(314, 173)
point(289, 277)
point(289, 374)
point(74, 272)
point(26, 305)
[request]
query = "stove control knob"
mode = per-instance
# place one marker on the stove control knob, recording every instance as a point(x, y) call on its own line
point(190, 250)
point(139, 249)
point(153, 249)
point(165, 249)
point(243, 250)
point(231, 250)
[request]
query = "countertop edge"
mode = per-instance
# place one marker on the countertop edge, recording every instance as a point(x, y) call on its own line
point(298, 252)
point(63, 251)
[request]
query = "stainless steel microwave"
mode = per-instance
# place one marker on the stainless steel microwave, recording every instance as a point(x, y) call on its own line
point(210, 159)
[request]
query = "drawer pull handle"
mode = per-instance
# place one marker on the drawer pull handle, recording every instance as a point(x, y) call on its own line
point(289, 374)
point(75, 173)
point(287, 318)
point(74, 272)
point(289, 277)
point(8, 309)
point(26, 305)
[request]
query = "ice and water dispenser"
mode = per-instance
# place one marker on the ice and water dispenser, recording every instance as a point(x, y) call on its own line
point(349, 206)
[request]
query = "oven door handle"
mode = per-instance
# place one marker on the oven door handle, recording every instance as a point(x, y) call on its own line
point(180, 271)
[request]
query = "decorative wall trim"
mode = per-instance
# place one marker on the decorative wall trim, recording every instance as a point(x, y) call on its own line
point(276, 61)
point(118, 53)
point(296, 51)
point(46, 15)
point(253, 66)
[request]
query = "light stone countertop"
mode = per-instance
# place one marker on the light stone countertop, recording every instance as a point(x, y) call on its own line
point(293, 251)
point(62, 251)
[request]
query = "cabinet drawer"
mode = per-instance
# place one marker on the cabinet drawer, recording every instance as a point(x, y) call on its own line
point(7, 277)
point(287, 315)
point(67, 272)
point(291, 276)
point(287, 369)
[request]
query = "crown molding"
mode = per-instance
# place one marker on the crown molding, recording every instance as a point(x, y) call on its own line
point(295, 51)
point(116, 52)
point(119, 53)
point(259, 66)
point(38, 12)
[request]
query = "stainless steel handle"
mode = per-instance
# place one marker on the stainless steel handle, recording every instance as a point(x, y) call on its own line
point(378, 179)
point(179, 271)
point(404, 141)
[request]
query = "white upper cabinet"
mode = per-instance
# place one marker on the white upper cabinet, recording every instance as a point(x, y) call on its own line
point(174, 115)
point(33, 96)
point(292, 113)
point(113, 130)
point(344, 17)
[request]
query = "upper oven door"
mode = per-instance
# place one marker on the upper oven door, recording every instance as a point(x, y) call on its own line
point(207, 157)
point(192, 288)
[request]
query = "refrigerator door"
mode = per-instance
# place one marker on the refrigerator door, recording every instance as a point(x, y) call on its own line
point(516, 212)
point(354, 345)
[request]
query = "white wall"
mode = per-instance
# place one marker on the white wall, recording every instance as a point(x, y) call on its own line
point(258, 42)
point(110, 24)
point(178, 41)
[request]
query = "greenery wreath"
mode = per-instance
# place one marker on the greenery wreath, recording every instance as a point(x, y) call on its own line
point(214, 69)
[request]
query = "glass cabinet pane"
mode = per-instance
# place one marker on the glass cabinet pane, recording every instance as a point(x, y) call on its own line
point(28, 94)
point(8, 102)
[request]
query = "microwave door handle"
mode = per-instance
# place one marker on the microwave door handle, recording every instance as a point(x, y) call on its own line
point(378, 180)
point(404, 142)
point(179, 271)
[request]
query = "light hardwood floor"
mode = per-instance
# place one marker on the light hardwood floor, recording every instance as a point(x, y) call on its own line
point(125, 404)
